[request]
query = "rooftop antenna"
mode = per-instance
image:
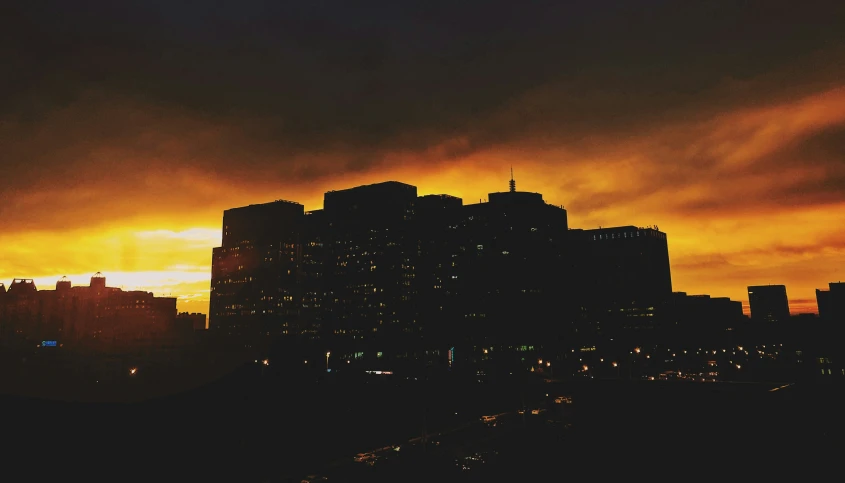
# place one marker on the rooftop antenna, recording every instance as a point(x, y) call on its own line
point(512, 183)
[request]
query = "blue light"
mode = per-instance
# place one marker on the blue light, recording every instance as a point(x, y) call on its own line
point(48, 343)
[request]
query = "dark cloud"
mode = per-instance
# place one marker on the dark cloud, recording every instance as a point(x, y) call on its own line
point(164, 101)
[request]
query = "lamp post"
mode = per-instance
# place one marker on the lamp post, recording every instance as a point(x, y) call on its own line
point(631, 365)
point(328, 353)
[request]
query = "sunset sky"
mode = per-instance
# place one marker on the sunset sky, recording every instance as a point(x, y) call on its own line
point(126, 128)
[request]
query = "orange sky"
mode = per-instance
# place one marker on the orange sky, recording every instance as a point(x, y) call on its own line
point(124, 134)
point(721, 237)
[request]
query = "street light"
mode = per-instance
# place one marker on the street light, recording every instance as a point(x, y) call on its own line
point(631, 365)
point(328, 353)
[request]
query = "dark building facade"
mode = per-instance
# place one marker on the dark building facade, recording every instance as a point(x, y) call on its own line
point(255, 274)
point(701, 318)
point(370, 269)
point(380, 266)
point(512, 269)
point(768, 303)
point(831, 302)
point(623, 276)
point(92, 317)
point(191, 321)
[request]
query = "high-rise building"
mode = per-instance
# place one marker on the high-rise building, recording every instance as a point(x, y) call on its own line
point(623, 274)
point(768, 303)
point(379, 265)
point(512, 269)
point(438, 266)
point(371, 252)
point(831, 302)
point(314, 259)
point(255, 273)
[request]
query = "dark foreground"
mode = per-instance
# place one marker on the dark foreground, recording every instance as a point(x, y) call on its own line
point(253, 428)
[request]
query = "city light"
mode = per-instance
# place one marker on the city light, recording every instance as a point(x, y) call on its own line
point(615, 364)
point(637, 350)
point(266, 362)
point(133, 371)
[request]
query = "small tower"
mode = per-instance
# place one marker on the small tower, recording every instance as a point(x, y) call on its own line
point(98, 281)
point(63, 284)
point(512, 183)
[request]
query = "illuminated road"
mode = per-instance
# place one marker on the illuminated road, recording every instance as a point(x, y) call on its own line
point(782, 387)
point(340, 467)
point(337, 464)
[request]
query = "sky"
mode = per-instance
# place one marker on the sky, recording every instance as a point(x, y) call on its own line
point(126, 128)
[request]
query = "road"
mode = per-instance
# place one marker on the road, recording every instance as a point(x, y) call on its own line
point(413, 444)
point(590, 417)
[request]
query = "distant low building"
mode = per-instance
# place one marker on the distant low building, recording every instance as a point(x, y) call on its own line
point(194, 321)
point(96, 316)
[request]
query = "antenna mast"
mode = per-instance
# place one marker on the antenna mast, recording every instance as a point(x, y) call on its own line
point(512, 183)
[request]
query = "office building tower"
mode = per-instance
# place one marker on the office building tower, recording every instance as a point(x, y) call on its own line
point(831, 302)
point(512, 277)
point(255, 273)
point(381, 267)
point(370, 261)
point(623, 274)
point(768, 303)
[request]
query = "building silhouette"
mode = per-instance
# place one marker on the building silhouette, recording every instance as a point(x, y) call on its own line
point(831, 302)
point(188, 322)
point(380, 266)
point(768, 303)
point(624, 277)
point(514, 269)
point(255, 287)
point(92, 317)
point(372, 254)
point(701, 319)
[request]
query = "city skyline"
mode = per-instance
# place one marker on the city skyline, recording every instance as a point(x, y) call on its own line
point(186, 282)
point(127, 131)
